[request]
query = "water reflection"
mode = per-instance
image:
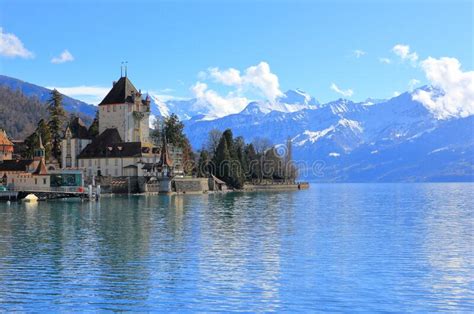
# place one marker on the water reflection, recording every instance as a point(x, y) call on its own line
point(334, 248)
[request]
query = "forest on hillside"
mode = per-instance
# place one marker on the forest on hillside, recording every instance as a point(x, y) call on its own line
point(19, 115)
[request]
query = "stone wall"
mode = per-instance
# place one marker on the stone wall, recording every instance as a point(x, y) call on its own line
point(191, 185)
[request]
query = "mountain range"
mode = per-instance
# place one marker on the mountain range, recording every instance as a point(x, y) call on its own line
point(394, 140)
point(344, 141)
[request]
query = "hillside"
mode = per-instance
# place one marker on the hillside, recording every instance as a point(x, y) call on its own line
point(19, 114)
point(23, 104)
point(43, 94)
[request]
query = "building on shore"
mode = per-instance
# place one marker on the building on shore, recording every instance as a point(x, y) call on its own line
point(34, 175)
point(6, 146)
point(123, 150)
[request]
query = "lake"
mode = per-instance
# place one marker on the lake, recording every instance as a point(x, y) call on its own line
point(334, 247)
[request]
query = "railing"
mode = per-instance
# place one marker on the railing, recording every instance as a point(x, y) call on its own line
point(50, 189)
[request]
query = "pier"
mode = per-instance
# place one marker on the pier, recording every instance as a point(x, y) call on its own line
point(44, 192)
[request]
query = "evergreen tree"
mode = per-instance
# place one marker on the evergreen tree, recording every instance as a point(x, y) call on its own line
point(252, 162)
point(239, 146)
point(94, 128)
point(228, 165)
point(32, 142)
point(203, 164)
point(222, 160)
point(56, 121)
point(174, 132)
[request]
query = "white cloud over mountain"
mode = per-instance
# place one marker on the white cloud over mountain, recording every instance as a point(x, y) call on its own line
point(89, 94)
point(457, 88)
point(65, 56)
point(220, 105)
point(346, 93)
point(11, 46)
point(412, 84)
point(258, 78)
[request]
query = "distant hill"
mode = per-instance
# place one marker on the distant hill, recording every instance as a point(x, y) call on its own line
point(23, 104)
point(43, 94)
point(19, 114)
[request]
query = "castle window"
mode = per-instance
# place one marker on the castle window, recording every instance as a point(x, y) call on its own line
point(44, 181)
point(108, 108)
point(114, 108)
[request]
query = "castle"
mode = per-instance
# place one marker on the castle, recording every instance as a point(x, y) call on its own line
point(123, 148)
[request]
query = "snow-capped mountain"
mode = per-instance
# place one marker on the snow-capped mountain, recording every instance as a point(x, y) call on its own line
point(349, 138)
point(291, 101)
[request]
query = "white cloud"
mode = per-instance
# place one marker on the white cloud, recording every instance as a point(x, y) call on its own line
point(219, 105)
point(345, 93)
point(457, 88)
point(65, 56)
point(385, 60)
point(359, 53)
point(403, 51)
point(396, 93)
point(11, 46)
point(88, 94)
point(412, 84)
point(258, 78)
point(230, 77)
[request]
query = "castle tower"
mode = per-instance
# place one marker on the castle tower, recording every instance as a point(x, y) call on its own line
point(39, 153)
point(124, 109)
point(39, 158)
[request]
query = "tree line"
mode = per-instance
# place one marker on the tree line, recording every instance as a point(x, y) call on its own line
point(236, 162)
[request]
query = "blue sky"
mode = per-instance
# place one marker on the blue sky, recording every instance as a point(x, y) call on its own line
point(170, 46)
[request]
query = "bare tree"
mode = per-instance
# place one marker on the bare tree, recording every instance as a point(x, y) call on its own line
point(261, 144)
point(213, 141)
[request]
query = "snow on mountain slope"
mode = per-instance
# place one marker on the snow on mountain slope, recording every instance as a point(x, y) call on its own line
point(343, 134)
point(291, 101)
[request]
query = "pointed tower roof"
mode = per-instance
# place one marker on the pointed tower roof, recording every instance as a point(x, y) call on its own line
point(120, 93)
point(41, 169)
point(4, 141)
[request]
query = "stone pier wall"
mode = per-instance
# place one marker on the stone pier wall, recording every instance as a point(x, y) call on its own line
point(191, 185)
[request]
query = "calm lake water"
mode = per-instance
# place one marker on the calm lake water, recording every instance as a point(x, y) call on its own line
point(344, 247)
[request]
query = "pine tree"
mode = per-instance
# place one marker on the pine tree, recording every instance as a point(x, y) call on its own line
point(32, 142)
point(56, 120)
point(174, 132)
point(203, 164)
point(253, 163)
point(222, 160)
point(228, 164)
